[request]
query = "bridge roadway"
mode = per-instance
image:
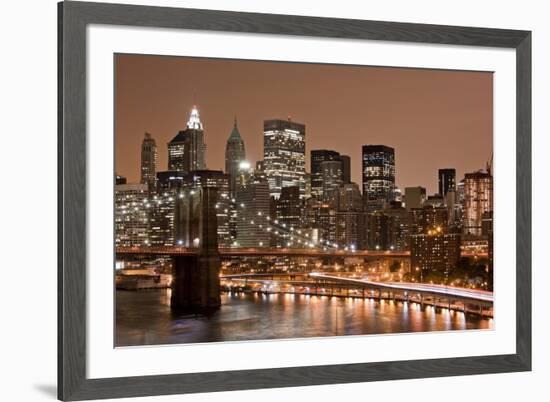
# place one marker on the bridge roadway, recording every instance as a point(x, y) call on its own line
point(262, 251)
point(449, 292)
point(259, 251)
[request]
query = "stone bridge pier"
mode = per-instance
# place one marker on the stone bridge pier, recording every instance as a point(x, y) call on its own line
point(196, 278)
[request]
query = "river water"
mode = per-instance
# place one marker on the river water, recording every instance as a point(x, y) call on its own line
point(145, 318)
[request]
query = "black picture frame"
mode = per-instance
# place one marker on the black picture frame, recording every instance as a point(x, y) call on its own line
point(73, 18)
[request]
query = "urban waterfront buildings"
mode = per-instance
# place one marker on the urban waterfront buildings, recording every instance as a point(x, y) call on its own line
point(149, 162)
point(279, 204)
point(378, 176)
point(186, 151)
point(284, 155)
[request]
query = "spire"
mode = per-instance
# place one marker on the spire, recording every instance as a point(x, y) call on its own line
point(235, 135)
point(194, 120)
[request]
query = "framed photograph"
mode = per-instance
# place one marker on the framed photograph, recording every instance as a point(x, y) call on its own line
point(257, 201)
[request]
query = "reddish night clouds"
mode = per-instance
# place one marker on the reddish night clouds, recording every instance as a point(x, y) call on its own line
point(434, 119)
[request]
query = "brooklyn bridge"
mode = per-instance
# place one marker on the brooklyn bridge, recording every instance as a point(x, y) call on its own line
point(197, 263)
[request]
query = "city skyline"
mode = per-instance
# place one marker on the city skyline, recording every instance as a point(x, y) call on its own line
point(173, 117)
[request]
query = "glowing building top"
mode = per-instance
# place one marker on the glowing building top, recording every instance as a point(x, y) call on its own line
point(194, 120)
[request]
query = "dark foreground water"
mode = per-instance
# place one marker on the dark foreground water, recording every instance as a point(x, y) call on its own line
point(144, 318)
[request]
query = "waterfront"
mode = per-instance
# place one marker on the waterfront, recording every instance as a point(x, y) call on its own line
point(145, 318)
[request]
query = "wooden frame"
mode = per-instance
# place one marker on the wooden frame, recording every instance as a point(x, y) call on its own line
point(73, 17)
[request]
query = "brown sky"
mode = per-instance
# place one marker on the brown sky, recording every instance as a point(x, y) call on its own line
point(432, 118)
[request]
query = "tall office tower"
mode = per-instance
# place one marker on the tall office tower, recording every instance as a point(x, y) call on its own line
point(319, 156)
point(289, 214)
point(284, 155)
point(478, 199)
point(446, 181)
point(434, 255)
point(131, 215)
point(349, 198)
point(219, 180)
point(332, 176)
point(252, 200)
point(346, 168)
point(414, 197)
point(186, 151)
point(234, 155)
point(378, 176)
point(149, 162)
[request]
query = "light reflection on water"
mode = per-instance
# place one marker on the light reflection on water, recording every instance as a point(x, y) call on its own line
point(144, 318)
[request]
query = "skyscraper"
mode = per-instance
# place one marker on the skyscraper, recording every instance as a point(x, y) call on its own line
point(319, 156)
point(478, 199)
point(284, 155)
point(253, 210)
point(446, 181)
point(332, 177)
point(234, 155)
point(346, 168)
point(289, 214)
point(378, 176)
point(186, 151)
point(149, 162)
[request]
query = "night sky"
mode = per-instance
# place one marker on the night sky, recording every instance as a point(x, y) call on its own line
point(433, 118)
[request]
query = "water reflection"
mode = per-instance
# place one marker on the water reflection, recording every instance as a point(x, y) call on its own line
point(144, 318)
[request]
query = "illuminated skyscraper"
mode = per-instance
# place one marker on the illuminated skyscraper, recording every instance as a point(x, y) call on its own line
point(284, 155)
point(234, 155)
point(186, 151)
point(378, 176)
point(478, 199)
point(319, 156)
point(149, 162)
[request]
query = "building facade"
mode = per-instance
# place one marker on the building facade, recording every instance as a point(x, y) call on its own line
point(131, 215)
point(478, 199)
point(434, 252)
point(446, 181)
point(378, 176)
point(284, 155)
